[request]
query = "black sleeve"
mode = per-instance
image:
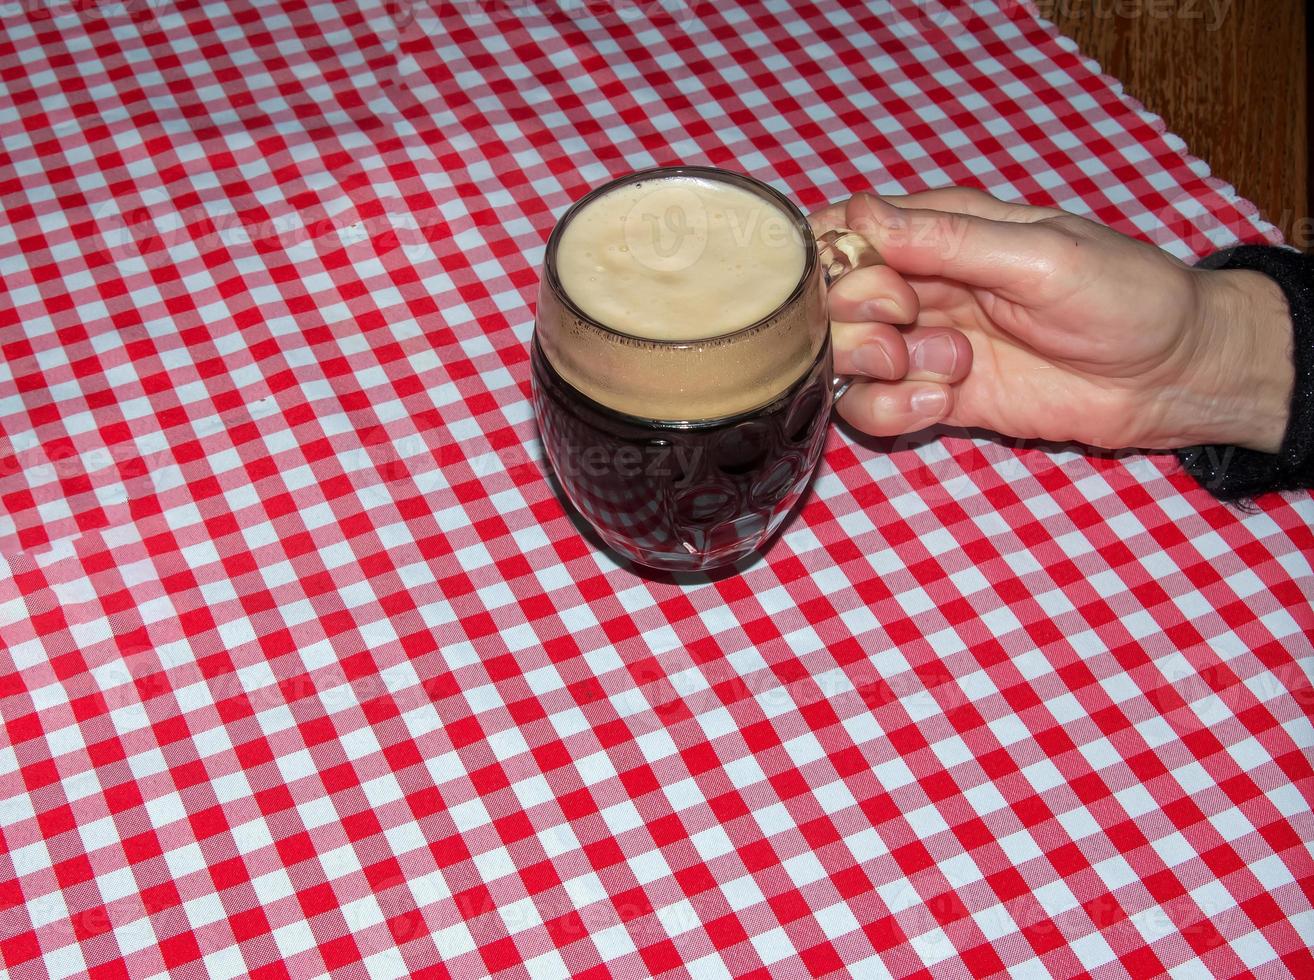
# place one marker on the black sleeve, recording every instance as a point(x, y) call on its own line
point(1234, 473)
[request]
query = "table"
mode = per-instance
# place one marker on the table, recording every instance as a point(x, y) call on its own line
point(1230, 78)
point(305, 670)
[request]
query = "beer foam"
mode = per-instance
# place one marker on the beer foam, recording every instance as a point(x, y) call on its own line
point(680, 258)
point(689, 321)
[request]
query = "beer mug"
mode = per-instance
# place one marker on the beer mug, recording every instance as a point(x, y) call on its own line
point(681, 361)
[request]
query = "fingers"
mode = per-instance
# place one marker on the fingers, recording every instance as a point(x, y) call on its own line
point(985, 252)
point(876, 293)
point(935, 293)
point(914, 375)
point(883, 352)
point(872, 350)
point(969, 200)
point(892, 409)
point(961, 200)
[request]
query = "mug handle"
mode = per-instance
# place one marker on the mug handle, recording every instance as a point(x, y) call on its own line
point(841, 251)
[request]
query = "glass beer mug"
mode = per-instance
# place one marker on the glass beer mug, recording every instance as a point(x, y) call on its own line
point(681, 361)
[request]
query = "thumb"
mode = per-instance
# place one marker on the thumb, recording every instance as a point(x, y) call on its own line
point(968, 248)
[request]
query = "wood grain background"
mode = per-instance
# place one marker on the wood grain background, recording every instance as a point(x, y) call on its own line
point(1230, 77)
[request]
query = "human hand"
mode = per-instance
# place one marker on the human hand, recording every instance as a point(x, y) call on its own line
point(1036, 323)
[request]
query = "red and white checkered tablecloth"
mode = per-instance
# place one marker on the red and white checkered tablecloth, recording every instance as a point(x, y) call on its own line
point(305, 670)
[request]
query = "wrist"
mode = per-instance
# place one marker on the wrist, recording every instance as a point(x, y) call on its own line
point(1238, 387)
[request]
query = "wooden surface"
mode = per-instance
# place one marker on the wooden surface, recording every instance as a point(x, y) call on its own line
point(1228, 76)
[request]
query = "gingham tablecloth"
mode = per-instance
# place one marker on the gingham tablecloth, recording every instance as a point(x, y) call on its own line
point(306, 671)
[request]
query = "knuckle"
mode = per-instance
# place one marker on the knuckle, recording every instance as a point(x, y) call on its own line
point(1054, 252)
point(1027, 213)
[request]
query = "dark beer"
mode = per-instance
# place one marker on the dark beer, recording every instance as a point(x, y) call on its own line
point(683, 495)
point(682, 363)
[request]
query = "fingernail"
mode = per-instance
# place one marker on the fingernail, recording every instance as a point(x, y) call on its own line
point(879, 309)
point(934, 355)
point(930, 403)
point(873, 361)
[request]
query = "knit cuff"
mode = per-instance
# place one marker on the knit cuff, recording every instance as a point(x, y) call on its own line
point(1236, 473)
